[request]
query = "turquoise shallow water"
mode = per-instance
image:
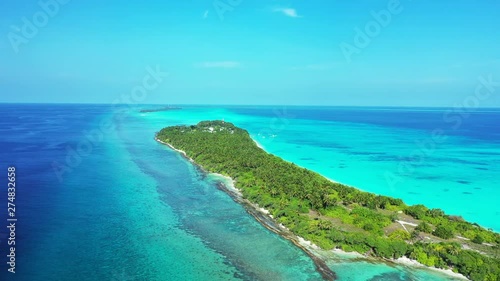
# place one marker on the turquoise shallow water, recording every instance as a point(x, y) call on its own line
point(371, 150)
point(267, 131)
point(133, 209)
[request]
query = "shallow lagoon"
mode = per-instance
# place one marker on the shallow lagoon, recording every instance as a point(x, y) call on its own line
point(133, 209)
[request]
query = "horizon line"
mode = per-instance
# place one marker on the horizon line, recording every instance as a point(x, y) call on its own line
point(268, 105)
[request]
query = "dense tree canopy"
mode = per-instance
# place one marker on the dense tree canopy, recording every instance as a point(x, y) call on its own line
point(327, 213)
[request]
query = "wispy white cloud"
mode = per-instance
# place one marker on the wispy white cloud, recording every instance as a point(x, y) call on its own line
point(289, 12)
point(205, 14)
point(219, 64)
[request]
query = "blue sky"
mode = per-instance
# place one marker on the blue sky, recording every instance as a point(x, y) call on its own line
point(425, 53)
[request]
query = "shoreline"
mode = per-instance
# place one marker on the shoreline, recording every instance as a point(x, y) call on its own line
point(262, 147)
point(415, 264)
point(346, 184)
point(404, 261)
point(264, 217)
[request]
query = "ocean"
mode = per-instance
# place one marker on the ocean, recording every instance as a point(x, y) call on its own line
point(97, 198)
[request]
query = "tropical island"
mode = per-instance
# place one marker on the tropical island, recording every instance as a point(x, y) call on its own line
point(168, 108)
point(336, 216)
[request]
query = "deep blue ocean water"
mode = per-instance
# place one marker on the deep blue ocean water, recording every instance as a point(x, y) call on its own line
point(98, 199)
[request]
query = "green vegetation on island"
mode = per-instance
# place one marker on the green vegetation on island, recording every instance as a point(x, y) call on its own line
point(334, 215)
